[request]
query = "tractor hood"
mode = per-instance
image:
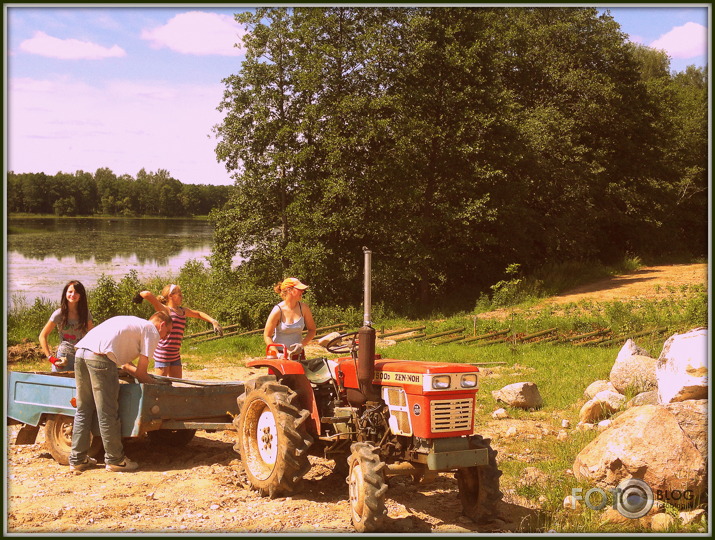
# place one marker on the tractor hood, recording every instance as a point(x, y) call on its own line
point(415, 377)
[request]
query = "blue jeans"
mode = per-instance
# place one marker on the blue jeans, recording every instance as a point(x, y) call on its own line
point(65, 349)
point(97, 382)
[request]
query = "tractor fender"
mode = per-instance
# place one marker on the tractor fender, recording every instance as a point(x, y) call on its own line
point(292, 374)
point(278, 366)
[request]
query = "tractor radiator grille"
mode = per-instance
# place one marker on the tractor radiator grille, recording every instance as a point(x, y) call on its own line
point(452, 415)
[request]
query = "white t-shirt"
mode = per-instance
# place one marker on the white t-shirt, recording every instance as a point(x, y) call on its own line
point(122, 339)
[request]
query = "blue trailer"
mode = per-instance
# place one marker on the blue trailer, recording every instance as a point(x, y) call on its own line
point(169, 411)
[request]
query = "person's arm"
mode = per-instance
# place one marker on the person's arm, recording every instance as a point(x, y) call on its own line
point(44, 334)
point(204, 317)
point(309, 324)
point(140, 371)
point(154, 301)
point(271, 324)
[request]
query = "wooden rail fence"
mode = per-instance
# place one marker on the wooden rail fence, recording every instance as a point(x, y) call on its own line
point(599, 337)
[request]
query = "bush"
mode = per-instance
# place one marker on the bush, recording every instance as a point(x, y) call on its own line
point(25, 321)
point(109, 298)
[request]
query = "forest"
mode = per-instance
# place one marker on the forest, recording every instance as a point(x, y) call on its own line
point(454, 143)
point(86, 194)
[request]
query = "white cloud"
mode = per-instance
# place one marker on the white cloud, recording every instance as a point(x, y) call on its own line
point(68, 49)
point(636, 39)
point(687, 41)
point(66, 125)
point(198, 33)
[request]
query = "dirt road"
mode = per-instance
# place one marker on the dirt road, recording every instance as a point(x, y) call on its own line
point(653, 282)
point(650, 281)
point(201, 488)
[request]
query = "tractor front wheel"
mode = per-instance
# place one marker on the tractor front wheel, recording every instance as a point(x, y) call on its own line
point(479, 487)
point(367, 487)
point(272, 439)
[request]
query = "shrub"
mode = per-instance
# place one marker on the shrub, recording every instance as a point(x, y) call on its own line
point(25, 321)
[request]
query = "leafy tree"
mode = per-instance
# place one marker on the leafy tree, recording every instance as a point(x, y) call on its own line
point(14, 200)
point(154, 194)
point(258, 135)
point(65, 207)
point(450, 140)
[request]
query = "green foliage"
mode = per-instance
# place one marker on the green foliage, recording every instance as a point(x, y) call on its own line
point(453, 142)
point(65, 207)
point(508, 292)
point(548, 280)
point(109, 298)
point(25, 321)
point(151, 194)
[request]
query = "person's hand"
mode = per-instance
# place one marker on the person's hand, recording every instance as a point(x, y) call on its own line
point(218, 330)
point(296, 348)
point(137, 298)
point(145, 378)
point(59, 362)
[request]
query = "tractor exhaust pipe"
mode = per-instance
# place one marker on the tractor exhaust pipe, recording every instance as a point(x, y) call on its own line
point(367, 288)
point(366, 337)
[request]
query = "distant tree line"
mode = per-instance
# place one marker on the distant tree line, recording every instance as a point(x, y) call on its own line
point(84, 193)
point(454, 141)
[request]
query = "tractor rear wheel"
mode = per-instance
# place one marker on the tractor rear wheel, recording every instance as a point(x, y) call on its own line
point(367, 487)
point(273, 440)
point(479, 487)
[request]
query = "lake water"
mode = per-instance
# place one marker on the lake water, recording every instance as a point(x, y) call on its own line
point(45, 253)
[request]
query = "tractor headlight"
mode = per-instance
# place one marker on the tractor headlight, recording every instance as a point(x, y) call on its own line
point(440, 382)
point(468, 381)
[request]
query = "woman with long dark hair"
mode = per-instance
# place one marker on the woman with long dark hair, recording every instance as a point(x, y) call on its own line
point(72, 320)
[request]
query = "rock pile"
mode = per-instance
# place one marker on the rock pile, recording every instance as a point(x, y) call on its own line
point(659, 436)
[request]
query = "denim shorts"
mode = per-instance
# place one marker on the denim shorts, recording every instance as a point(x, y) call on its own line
point(158, 364)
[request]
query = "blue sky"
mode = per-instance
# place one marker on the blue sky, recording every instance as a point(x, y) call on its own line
point(137, 87)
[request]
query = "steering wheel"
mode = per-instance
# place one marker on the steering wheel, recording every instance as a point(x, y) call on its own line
point(335, 347)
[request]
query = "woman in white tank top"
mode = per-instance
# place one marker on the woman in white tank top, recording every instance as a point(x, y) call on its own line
point(287, 320)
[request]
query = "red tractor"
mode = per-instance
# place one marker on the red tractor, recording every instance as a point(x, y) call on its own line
point(374, 417)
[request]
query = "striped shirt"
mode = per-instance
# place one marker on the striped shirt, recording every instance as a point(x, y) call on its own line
point(169, 348)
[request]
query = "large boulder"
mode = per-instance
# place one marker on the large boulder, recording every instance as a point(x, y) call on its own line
point(644, 398)
point(682, 367)
point(630, 349)
point(524, 395)
point(603, 404)
point(644, 443)
point(634, 369)
point(597, 386)
point(692, 417)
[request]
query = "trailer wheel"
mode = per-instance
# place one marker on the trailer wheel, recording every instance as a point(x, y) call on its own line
point(273, 440)
point(367, 487)
point(58, 434)
point(171, 437)
point(479, 486)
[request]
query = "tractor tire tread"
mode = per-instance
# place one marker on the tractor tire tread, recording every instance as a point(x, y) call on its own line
point(292, 454)
point(479, 486)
